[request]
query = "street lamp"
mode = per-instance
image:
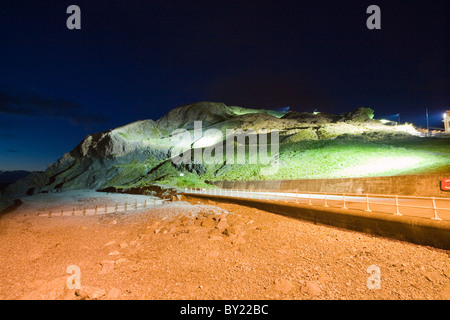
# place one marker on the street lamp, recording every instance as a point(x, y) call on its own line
point(446, 122)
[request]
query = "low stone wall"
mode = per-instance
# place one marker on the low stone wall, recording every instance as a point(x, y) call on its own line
point(407, 185)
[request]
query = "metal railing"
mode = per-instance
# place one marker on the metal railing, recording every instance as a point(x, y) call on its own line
point(437, 208)
point(97, 210)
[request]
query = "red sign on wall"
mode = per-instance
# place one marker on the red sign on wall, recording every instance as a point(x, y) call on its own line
point(445, 184)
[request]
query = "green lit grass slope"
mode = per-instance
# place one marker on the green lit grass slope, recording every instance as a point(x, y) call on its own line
point(343, 157)
point(348, 157)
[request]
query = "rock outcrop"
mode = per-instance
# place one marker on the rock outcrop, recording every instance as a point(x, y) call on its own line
point(139, 154)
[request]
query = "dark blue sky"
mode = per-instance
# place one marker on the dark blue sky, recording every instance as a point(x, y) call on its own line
point(135, 60)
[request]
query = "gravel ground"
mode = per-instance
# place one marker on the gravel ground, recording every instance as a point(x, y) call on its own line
point(208, 250)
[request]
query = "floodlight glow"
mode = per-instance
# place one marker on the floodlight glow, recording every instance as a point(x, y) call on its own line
point(383, 165)
point(407, 128)
point(207, 141)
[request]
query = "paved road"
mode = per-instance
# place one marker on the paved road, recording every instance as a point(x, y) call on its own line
point(407, 206)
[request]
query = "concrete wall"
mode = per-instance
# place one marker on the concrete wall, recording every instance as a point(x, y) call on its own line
point(407, 185)
point(416, 230)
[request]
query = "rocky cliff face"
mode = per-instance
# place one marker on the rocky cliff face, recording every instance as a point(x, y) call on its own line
point(139, 153)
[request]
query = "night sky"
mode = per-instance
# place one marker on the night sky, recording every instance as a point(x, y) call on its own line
point(135, 60)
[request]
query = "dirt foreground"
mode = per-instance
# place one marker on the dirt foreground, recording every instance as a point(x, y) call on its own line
point(184, 250)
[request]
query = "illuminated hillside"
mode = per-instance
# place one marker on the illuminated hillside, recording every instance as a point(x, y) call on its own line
point(310, 145)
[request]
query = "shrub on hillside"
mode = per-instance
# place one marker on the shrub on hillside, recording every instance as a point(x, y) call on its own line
point(303, 134)
point(385, 135)
point(360, 115)
point(329, 131)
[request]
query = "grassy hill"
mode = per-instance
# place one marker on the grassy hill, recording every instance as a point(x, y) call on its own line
point(311, 145)
point(346, 156)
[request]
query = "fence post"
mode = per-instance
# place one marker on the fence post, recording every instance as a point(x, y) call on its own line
point(435, 210)
point(309, 201)
point(367, 203)
point(126, 204)
point(397, 211)
point(343, 198)
point(325, 198)
point(96, 209)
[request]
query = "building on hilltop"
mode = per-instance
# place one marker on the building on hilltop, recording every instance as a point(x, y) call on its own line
point(447, 121)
